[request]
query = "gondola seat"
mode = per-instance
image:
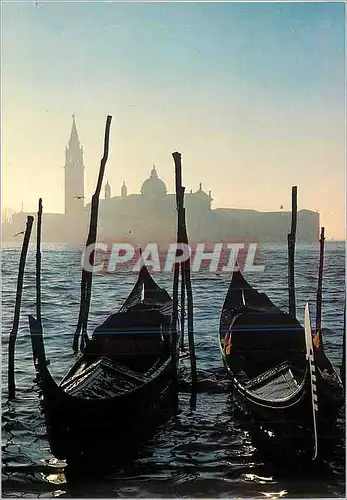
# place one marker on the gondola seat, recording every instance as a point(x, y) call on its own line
point(140, 333)
point(259, 341)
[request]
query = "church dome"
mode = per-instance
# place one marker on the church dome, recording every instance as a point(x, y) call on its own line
point(153, 187)
point(201, 194)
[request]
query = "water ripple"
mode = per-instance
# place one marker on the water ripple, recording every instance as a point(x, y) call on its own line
point(206, 452)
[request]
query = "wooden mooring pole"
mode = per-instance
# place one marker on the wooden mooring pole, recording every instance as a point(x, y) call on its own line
point(319, 289)
point(38, 279)
point(291, 253)
point(183, 305)
point(87, 276)
point(343, 363)
point(38, 263)
point(190, 322)
point(184, 239)
point(177, 267)
point(14, 331)
point(179, 207)
point(174, 316)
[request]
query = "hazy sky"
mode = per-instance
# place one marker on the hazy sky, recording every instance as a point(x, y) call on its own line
point(252, 94)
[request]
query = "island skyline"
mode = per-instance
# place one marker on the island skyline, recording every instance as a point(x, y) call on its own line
point(150, 215)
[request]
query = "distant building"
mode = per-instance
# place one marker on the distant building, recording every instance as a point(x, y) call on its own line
point(74, 175)
point(150, 216)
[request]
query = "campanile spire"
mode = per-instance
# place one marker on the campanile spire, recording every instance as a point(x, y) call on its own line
point(74, 173)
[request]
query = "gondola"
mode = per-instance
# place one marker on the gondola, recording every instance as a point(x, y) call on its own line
point(127, 371)
point(124, 373)
point(287, 383)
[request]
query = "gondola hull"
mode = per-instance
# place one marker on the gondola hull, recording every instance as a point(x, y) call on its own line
point(289, 429)
point(287, 419)
point(75, 427)
point(330, 400)
point(116, 388)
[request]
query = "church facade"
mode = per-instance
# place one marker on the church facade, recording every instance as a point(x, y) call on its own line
point(150, 216)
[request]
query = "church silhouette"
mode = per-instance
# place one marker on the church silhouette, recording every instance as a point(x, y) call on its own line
point(150, 216)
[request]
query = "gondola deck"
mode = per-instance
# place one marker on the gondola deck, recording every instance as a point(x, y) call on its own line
point(103, 379)
point(278, 383)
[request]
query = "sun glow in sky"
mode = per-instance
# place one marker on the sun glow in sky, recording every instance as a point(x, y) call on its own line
point(252, 94)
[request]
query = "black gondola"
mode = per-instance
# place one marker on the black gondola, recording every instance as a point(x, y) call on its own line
point(125, 371)
point(289, 385)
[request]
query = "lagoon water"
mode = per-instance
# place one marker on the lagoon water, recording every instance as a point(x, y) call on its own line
point(209, 451)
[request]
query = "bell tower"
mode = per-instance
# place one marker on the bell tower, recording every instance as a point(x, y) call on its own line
point(74, 174)
point(107, 191)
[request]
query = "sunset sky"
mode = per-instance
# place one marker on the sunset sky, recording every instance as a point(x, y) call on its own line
point(252, 94)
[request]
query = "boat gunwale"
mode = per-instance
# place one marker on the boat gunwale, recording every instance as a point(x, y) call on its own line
point(49, 384)
point(269, 403)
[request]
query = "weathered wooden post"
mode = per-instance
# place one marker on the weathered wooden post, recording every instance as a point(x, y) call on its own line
point(87, 276)
point(14, 331)
point(291, 254)
point(319, 290)
point(178, 167)
point(38, 279)
point(174, 315)
point(343, 364)
point(38, 263)
point(183, 305)
point(180, 205)
point(190, 322)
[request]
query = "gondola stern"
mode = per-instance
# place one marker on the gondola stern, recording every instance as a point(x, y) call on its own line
point(45, 380)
